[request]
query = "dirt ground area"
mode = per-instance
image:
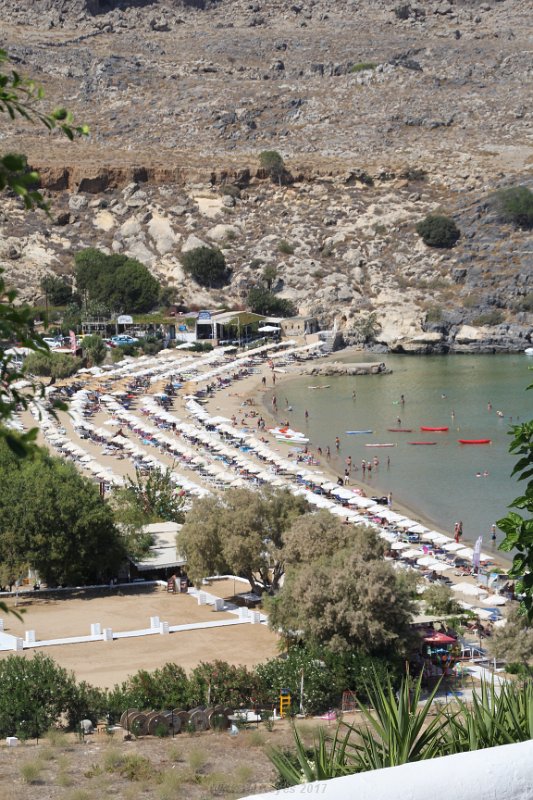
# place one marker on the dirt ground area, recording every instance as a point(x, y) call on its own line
point(106, 663)
point(195, 767)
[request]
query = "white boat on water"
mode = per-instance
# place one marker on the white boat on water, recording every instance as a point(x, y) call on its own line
point(529, 351)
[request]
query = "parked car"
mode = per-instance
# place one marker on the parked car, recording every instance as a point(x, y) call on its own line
point(123, 338)
point(52, 342)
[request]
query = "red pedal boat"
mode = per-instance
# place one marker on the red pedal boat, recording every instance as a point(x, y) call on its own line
point(434, 430)
point(474, 441)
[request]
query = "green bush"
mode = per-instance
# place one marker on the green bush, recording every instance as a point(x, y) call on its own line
point(437, 230)
point(494, 317)
point(525, 303)
point(272, 162)
point(434, 314)
point(35, 692)
point(363, 66)
point(54, 365)
point(261, 301)
point(286, 247)
point(207, 266)
point(516, 206)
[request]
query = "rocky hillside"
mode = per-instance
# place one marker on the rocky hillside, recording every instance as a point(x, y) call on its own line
point(383, 111)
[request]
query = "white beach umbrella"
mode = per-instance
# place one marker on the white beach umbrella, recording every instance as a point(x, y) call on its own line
point(440, 566)
point(494, 600)
point(453, 546)
point(412, 553)
point(399, 546)
point(468, 589)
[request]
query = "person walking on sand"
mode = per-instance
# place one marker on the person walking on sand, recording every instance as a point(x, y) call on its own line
point(337, 442)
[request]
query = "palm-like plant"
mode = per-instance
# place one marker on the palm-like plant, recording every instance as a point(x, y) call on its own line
point(496, 716)
point(397, 729)
point(325, 759)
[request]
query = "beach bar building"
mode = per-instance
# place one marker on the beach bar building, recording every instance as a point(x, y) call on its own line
point(227, 326)
point(163, 558)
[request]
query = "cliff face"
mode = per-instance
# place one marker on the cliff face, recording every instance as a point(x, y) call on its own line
point(383, 111)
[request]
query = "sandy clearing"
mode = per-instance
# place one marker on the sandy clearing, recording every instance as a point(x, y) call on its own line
point(106, 663)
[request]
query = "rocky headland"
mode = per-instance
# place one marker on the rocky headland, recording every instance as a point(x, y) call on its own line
point(383, 112)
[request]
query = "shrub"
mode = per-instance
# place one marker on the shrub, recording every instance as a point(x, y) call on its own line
point(261, 301)
point(35, 692)
point(525, 303)
point(437, 230)
point(272, 162)
point(286, 247)
point(516, 206)
point(414, 174)
point(55, 365)
point(117, 354)
point(493, 317)
point(434, 314)
point(363, 66)
point(207, 266)
point(30, 771)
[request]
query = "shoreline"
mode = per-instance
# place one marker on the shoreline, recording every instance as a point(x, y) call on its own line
point(254, 391)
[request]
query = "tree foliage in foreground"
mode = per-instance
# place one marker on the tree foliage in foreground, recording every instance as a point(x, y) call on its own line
point(241, 532)
point(115, 281)
point(437, 230)
point(338, 592)
point(55, 520)
point(518, 529)
point(20, 97)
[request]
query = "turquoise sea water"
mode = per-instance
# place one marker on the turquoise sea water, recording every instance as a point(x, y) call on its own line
point(438, 481)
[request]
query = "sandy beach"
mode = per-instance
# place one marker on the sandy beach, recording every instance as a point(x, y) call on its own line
point(250, 390)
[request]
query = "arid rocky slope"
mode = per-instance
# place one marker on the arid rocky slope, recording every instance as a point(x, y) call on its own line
point(181, 98)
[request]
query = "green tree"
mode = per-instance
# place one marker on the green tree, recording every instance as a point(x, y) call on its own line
point(338, 592)
point(156, 496)
point(63, 528)
point(269, 275)
point(272, 162)
point(441, 600)
point(518, 529)
point(242, 533)
point(94, 349)
point(516, 205)
point(207, 266)
point(437, 230)
point(58, 292)
point(514, 642)
point(49, 364)
point(262, 301)
point(115, 281)
point(35, 693)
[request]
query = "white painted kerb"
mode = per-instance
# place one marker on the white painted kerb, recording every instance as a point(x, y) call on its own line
point(498, 773)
